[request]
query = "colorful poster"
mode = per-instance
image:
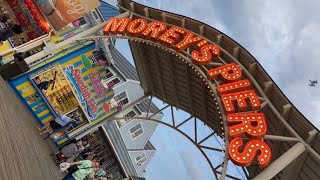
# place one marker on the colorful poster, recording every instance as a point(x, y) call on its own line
point(62, 12)
point(55, 88)
point(72, 83)
point(76, 84)
point(5, 46)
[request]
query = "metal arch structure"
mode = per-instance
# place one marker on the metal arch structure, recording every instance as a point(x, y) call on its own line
point(294, 140)
point(223, 133)
point(184, 57)
point(173, 78)
point(194, 140)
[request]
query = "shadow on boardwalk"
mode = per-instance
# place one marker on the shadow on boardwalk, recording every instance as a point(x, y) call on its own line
point(24, 154)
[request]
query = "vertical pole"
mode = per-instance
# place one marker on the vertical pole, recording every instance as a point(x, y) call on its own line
point(132, 104)
point(172, 115)
point(195, 130)
point(149, 106)
point(283, 161)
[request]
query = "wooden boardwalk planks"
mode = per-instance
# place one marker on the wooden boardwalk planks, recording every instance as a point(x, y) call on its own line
point(24, 155)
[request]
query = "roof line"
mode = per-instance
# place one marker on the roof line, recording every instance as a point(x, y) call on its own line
point(105, 132)
point(109, 5)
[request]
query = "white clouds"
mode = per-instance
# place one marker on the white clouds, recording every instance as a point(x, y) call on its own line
point(190, 163)
point(282, 35)
point(176, 158)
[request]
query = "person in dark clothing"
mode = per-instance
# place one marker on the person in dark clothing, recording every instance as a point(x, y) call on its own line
point(4, 17)
point(7, 31)
point(43, 85)
point(17, 29)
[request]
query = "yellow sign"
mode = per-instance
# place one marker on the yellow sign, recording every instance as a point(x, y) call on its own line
point(6, 47)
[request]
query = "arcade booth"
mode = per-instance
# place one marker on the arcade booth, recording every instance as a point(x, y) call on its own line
point(28, 16)
point(68, 80)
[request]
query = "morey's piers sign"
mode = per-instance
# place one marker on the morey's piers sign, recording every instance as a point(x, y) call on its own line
point(234, 89)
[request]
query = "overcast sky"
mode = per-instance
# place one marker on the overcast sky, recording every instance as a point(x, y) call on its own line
point(283, 35)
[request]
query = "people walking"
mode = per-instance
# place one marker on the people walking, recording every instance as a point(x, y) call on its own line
point(58, 123)
point(81, 169)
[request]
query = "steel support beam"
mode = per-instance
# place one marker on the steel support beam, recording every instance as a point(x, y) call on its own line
point(159, 111)
point(149, 106)
point(172, 116)
point(215, 64)
point(294, 168)
point(195, 130)
point(267, 88)
point(211, 148)
point(252, 67)
point(146, 12)
point(206, 138)
point(286, 110)
point(236, 52)
point(219, 39)
point(280, 138)
point(132, 104)
point(215, 172)
point(184, 121)
point(283, 161)
point(64, 43)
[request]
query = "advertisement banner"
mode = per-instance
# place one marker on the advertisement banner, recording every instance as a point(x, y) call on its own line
point(72, 84)
point(62, 12)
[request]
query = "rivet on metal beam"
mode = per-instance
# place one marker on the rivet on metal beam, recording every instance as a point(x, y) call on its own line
point(201, 28)
point(219, 39)
point(253, 67)
point(146, 12)
point(286, 110)
point(132, 7)
point(268, 86)
point(236, 52)
point(311, 135)
point(183, 22)
point(164, 18)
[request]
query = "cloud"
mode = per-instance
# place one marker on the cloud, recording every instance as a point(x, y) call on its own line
point(282, 35)
point(190, 163)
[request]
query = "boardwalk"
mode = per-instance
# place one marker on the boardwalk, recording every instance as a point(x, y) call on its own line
point(24, 154)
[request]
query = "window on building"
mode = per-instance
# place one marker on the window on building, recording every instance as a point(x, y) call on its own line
point(130, 114)
point(108, 75)
point(141, 159)
point(95, 14)
point(114, 81)
point(120, 99)
point(125, 121)
point(82, 21)
point(136, 131)
point(111, 82)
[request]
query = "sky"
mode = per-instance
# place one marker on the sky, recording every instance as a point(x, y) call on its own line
point(282, 35)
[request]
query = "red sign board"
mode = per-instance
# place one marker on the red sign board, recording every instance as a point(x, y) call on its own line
point(234, 90)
